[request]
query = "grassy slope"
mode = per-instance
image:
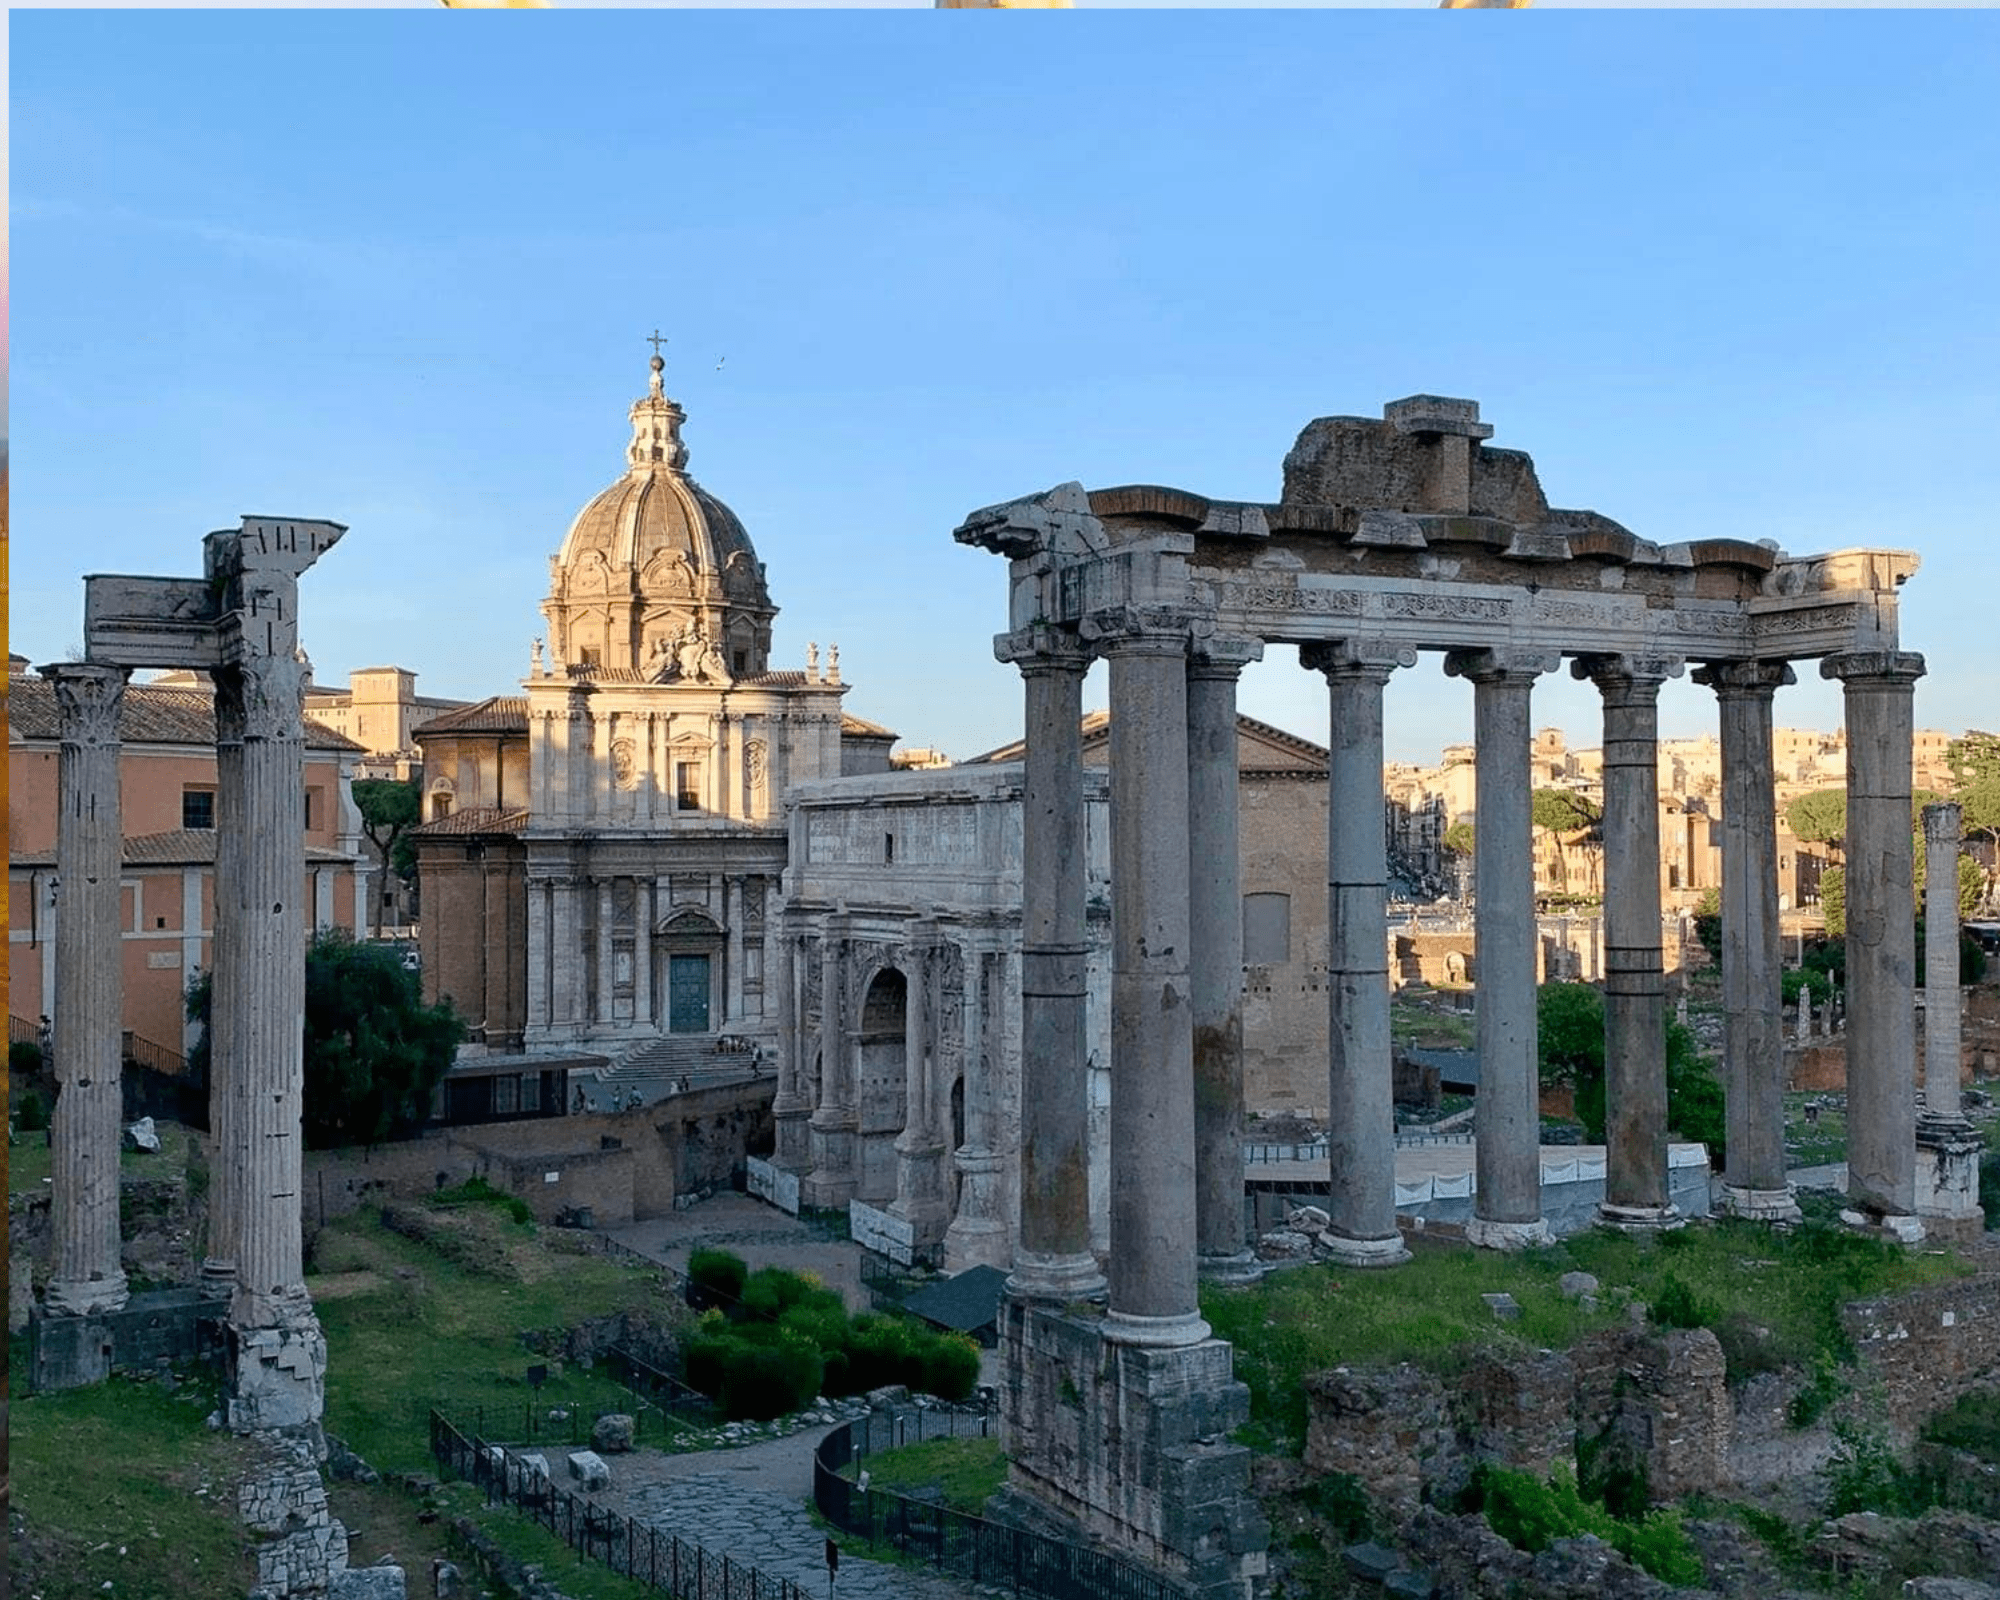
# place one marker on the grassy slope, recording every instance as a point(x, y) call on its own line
point(1312, 1318)
point(968, 1471)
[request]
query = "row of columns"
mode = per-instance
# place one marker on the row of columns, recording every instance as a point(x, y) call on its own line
point(1177, 957)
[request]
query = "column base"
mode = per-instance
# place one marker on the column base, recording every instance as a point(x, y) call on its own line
point(1948, 1179)
point(276, 1375)
point(1491, 1235)
point(87, 1297)
point(1056, 1280)
point(1384, 1252)
point(1639, 1219)
point(1893, 1227)
point(1121, 1327)
point(1761, 1205)
point(1239, 1267)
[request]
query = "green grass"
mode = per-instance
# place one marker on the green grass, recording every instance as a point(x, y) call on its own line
point(118, 1466)
point(1971, 1423)
point(968, 1472)
point(1439, 1028)
point(451, 1337)
point(1809, 1144)
point(29, 1160)
point(1775, 1299)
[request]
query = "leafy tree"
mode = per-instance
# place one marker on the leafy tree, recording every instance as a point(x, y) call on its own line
point(1569, 1019)
point(1975, 770)
point(1458, 838)
point(1569, 1033)
point(389, 807)
point(374, 1052)
point(1819, 816)
point(1833, 901)
point(1560, 812)
point(1708, 922)
point(1971, 879)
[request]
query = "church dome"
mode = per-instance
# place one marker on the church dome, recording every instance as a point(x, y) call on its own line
point(655, 571)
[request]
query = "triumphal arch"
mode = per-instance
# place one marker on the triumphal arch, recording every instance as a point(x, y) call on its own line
point(1394, 539)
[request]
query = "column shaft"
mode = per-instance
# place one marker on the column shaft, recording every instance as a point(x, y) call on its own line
point(228, 968)
point(85, 1131)
point(1881, 934)
point(606, 966)
point(1942, 829)
point(920, 1147)
point(1052, 1259)
point(1361, 1118)
point(836, 1119)
point(1507, 1208)
point(266, 1008)
point(642, 954)
point(790, 1107)
point(1752, 994)
point(1635, 1021)
point(1152, 1264)
point(1215, 918)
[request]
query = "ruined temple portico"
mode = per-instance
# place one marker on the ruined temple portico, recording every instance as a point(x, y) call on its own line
point(1392, 539)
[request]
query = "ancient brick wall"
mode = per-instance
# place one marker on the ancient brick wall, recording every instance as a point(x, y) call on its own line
point(1928, 1346)
point(1655, 1402)
point(1382, 1427)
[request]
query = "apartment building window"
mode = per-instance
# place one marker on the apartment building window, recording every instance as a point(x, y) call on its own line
point(309, 806)
point(687, 785)
point(197, 808)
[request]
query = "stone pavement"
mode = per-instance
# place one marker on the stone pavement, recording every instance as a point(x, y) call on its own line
point(762, 1235)
point(750, 1505)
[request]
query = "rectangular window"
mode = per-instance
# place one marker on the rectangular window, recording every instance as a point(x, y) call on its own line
point(687, 785)
point(506, 1094)
point(197, 808)
point(309, 806)
point(1267, 929)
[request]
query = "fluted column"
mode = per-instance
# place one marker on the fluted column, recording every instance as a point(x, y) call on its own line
point(920, 1147)
point(228, 968)
point(1152, 1262)
point(1754, 1182)
point(642, 954)
point(538, 954)
point(1635, 1008)
point(1943, 826)
point(85, 1132)
point(607, 1008)
point(1507, 1207)
point(1881, 937)
point(1052, 1258)
point(1361, 1117)
point(1215, 920)
point(791, 1106)
point(836, 1120)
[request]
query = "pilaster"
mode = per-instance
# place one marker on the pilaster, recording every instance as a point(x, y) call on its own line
point(836, 1120)
point(790, 1107)
point(920, 1147)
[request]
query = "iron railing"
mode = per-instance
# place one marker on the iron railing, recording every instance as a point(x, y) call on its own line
point(966, 1546)
point(662, 1561)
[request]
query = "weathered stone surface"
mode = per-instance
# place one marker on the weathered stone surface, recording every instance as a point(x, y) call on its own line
point(1944, 1544)
point(1949, 1589)
point(1284, 1244)
point(1306, 1219)
point(1657, 1403)
point(1370, 1562)
point(588, 1468)
point(613, 1434)
point(142, 1135)
point(1380, 1426)
point(447, 1582)
point(385, 1582)
point(1577, 1284)
point(1503, 1306)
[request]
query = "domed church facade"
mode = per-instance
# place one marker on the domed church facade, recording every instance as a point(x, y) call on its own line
point(661, 744)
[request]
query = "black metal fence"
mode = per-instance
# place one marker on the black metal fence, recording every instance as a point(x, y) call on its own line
point(660, 1387)
point(952, 1541)
point(537, 1422)
point(663, 1562)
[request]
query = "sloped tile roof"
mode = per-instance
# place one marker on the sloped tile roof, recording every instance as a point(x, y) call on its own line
point(473, 820)
point(852, 726)
point(175, 847)
point(149, 714)
point(500, 713)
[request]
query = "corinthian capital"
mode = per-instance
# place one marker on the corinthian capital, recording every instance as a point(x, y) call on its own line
point(1345, 658)
point(1735, 680)
point(88, 697)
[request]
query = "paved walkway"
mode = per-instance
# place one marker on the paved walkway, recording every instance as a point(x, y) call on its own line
point(750, 1505)
point(762, 1235)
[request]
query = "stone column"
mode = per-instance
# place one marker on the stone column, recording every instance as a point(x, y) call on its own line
point(1881, 938)
point(642, 954)
point(981, 1230)
point(85, 1133)
point(607, 975)
point(1507, 1124)
point(1152, 1262)
point(1754, 1183)
point(790, 1107)
point(836, 1120)
point(1052, 1259)
point(1361, 1118)
point(1215, 918)
point(920, 1147)
point(279, 1356)
point(538, 954)
point(1635, 1003)
point(228, 968)
point(1942, 825)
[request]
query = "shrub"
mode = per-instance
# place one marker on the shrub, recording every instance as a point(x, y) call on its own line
point(33, 1115)
point(1342, 1499)
point(1675, 1305)
point(24, 1059)
point(1971, 1423)
point(762, 1378)
point(715, 1278)
point(1824, 1387)
point(1695, 1105)
point(1989, 1187)
point(477, 1191)
point(1813, 980)
point(1864, 1475)
point(1531, 1515)
point(878, 1352)
point(770, 1291)
point(949, 1363)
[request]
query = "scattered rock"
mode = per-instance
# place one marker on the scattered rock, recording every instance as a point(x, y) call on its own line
point(1949, 1589)
point(589, 1469)
point(1370, 1562)
point(143, 1136)
point(1578, 1284)
point(446, 1579)
point(613, 1433)
point(1307, 1219)
point(1504, 1306)
point(1285, 1244)
point(1406, 1584)
point(888, 1395)
point(378, 1582)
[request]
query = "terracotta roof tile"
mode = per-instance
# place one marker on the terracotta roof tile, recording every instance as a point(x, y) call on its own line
point(473, 820)
point(150, 714)
point(500, 713)
point(175, 847)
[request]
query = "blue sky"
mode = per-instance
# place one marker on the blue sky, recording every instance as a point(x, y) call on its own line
point(1721, 274)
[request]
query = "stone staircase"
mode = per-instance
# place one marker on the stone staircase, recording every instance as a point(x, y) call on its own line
point(655, 1068)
